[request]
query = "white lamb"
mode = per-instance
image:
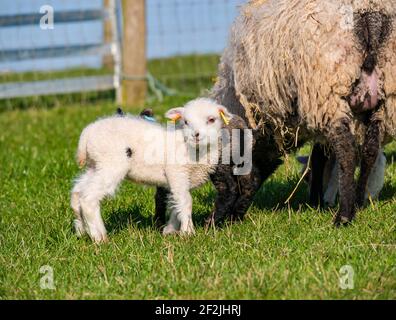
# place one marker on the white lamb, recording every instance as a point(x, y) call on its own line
point(116, 148)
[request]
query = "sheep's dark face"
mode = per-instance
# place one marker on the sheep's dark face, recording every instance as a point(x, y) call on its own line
point(202, 121)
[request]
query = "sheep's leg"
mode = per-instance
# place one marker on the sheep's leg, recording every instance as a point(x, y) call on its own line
point(331, 192)
point(227, 189)
point(249, 185)
point(318, 162)
point(93, 219)
point(173, 224)
point(161, 201)
point(185, 215)
point(78, 221)
point(370, 152)
point(80, 184)
point(377, 177)
point(343, 143)
point(95, 186)
point(181, 203)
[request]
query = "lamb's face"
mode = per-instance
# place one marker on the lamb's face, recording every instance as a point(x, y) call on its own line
point(201, 125)
point(202, 121)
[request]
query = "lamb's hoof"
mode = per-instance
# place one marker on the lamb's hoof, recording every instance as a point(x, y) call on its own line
point(329, 204)
point(159, 225)
point(209, 222)
point(212, 221)
point(186, 234)
point(342, 221)
point(168, 230)
point(361, 202)
point(187, 229)
point(79, 228)
point(101, 240)
point(236, 218)
point(99, 237)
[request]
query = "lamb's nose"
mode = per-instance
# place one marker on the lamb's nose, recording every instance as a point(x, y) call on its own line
point(196, 134)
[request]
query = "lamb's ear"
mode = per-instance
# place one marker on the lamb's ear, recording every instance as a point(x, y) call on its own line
point(225, 111)
point(175, 114)
point(225, 114)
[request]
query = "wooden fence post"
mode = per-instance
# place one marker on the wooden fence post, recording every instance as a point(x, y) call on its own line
point(134, 84)
point(108, 61)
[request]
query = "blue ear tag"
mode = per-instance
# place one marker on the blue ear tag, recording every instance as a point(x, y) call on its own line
point(149, 118)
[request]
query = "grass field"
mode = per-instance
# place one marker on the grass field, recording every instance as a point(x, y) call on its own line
point(277, 253)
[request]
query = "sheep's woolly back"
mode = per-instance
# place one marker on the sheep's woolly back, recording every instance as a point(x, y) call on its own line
point(290, 63)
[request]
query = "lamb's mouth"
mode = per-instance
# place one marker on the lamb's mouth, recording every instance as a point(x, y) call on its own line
point(195, 141)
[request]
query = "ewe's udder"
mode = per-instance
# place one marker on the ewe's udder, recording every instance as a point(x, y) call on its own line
point(365, 94)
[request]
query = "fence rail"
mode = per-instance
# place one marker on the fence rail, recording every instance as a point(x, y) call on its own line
point(133, 45)
point(54, 52)
point(109, 47)
point(59, 86)
point(60, 17)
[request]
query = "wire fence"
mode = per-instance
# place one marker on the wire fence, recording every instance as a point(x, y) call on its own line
point(56, 52)
point(185, 39)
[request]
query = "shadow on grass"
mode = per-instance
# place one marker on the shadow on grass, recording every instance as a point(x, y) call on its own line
point(390, 156)
point(273, 194)
point(271, 197)
point(122, 218)
point(388, 192)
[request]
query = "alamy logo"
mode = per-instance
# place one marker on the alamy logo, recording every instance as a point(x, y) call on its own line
point(347, 20)
point(214, 148)
point(347, 275)
point(47, 280)
point(47, 20)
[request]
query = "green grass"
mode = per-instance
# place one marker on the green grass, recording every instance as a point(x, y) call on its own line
point(187, 74)
point(49, 75)
point(276, 253)
point(51, 101)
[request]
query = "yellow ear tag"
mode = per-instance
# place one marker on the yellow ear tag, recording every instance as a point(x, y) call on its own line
point(176, 118)
point(226, 121)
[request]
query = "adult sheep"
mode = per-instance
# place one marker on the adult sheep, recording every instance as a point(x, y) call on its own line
point(315, 69)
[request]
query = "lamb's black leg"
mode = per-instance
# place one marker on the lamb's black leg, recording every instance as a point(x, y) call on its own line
point(318, 162)
point(250, 184)
point(266, 159)
point(344, 146)
point(161, 201)
point(248, 187)
point(227, 192)
point(369, 155)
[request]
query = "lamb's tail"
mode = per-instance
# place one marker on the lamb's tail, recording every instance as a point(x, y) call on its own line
point(82, 149)
point(372, 30)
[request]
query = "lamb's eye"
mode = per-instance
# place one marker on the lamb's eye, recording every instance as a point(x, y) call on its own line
point(211, 120)
point(186, 122)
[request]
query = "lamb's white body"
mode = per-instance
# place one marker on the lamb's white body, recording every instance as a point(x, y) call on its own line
point(116, 148)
